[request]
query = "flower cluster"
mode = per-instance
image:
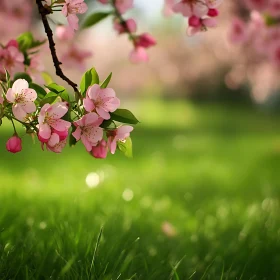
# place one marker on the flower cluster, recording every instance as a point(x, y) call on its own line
point(140, 42)
point(201, 14)
point(260, 31)
point(50, 116)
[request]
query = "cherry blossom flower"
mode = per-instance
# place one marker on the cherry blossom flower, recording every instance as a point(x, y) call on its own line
point(191, 7)
point(75, 57)
point(101, 150)
point(88, 130)
point(123, 5)
point(50, 118)
point(35, 69)
point(11, 58)
point(64, 32)
point(103, 101)
point(138, 55)
point(119, 134)
point(204, 24)
point(71, 9)
point(145, 40)
point(238, 31)
point(259, 5)
point(56, 147)
point(22, 98)
point(128, 26)
point(13, 145)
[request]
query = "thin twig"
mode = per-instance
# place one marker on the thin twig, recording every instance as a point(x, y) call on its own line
point(44, 12)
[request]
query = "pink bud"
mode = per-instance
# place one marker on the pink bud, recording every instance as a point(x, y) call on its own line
point(13, 145)
point(138, 55)
point(194, 21)
point(100, 151)
point(213, 13)
point(145, 40)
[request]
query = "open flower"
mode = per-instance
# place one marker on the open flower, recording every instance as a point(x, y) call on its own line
point(119, 134)
point(101, 100)
point(22, 98)
point(11, 58)
point(50, 118)
point(88, 130)
point(123, 5)
point(71, 8)
point(190, 8)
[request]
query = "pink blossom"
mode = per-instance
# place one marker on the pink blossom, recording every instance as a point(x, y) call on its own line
point(101, 150)
point(274, 8)
point(168, 7)
point(145, 40)
point(57, 147)
point(119, 134)
point(128, 26)
point(238, 31)
point(259, 5)
point(194, 21)
point(22, 98)
point(64, 33)
point(139, 54)
point(191, 7)
point(275, 55)
point(75, 57)
point(11, 58)
point(213, 4)
point(50, 118)
point(71, 8)
point(56, 142)
point(103, 101)
point(204, 24)
point(88, 130)
point(213, 13)
point(13, 145)
point(35, 69)
point(123, 5)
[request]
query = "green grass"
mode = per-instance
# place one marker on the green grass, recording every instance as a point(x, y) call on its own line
point(210, 172)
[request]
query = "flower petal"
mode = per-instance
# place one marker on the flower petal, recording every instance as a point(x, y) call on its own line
point(10, 95)
point(60, 125)
point(19, 85)
point(19, 113)
point(102, 113)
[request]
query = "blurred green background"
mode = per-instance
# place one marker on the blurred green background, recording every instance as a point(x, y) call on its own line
point(200, 198)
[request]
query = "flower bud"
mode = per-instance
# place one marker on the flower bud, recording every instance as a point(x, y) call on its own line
point(194, 21)
point(13, 145)
point(100, 151)
point(213, 13)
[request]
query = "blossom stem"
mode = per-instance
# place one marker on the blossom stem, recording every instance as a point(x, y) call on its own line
point(44, 12)
point(14, 126)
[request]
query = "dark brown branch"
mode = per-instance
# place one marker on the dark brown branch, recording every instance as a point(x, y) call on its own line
point(44, 12)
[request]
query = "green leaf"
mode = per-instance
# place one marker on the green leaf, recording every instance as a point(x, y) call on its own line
point(40, 91)
point(26, 41)
point(107, 81)
point(108, 124)
point(64, 96)
point(47, 78)
point(95, 18)
point(124, 116)
point(72, 139)
point(126, 147)
point(89, 78)
point(49, 98)
point(22, 75)
point(55, 88)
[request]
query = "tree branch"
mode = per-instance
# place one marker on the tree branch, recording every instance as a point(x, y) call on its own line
point(44, 12)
